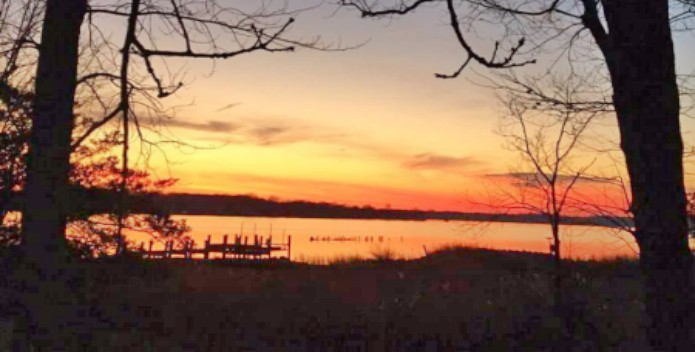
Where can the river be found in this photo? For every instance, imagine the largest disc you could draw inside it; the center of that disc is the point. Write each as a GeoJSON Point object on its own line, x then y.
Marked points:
{"type": "Point", "coordinates": [320, 240]}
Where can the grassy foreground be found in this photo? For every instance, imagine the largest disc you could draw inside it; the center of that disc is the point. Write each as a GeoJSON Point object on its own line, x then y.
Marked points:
{"type": "Point", "coordinates": [456, 299]}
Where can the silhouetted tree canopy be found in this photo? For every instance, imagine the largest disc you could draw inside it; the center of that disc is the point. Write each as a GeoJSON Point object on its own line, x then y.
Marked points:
{"type": "Point", "coordinates": [630, 43]}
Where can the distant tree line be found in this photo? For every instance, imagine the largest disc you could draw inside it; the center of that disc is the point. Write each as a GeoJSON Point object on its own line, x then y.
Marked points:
{"type": "Point", "coordinates": [103, 201]}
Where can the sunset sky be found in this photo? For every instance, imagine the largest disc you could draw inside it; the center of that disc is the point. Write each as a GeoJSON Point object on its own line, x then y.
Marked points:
{"type": "Point", "coordinates": [369, 125]}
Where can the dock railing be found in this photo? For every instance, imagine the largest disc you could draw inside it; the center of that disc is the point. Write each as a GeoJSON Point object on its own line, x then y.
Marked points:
{"type": "Point", "coordinates": [240, 249]}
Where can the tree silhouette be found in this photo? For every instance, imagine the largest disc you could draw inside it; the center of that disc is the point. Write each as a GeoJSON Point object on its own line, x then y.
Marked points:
{"type": "Point", "coordinates": [635, 41]}
{"type": "Point", "coordinates": [197, 25]}
{"type": "Point", "coordinates": [547, 140]}
{"type": "Point", "coordinates": [581, 95]}
{"type": "Point", "coordinates": [547, 143]}
{"type": "Point", "coordinates": [206, 29]}
{"type": "Point", "coordinates": [691, 213]}
{"type": "Point", "coordinates": [48, 162]}
{"type": "Point", "coordinates": [95, 179]}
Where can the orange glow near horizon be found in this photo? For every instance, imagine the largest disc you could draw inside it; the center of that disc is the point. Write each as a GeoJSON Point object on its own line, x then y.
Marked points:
{"type": "Point", "coordinates": [486, 199]}
{"type": "Point", "coordinates": [369, 126]}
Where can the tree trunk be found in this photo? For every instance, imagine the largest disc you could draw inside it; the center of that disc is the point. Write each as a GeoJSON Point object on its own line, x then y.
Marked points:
{"type": "Point", "coordinates": [46, 202]}
{"type": "Point", "coordinates": [52, 122]}
{"type": "Point", "coordinates": [641, 61]}
{"type": "Point", "coordinates": [558, 269]}
{"type": "Point", "coordinates": [555, 230]}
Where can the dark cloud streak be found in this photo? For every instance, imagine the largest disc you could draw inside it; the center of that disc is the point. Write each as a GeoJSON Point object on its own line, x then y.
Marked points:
{"type": "Point", "coordinates": [227, 107]}
{"type": "Point", "coordinates": [440, 162]}
{"type": "Point", "coordinates": [269, 133]}
{"type": "Point", "coordinates": [215, 126]}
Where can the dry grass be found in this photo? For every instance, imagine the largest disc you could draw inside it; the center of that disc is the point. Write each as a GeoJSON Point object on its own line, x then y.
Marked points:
{"type": "Point", "coordinates": [470, 299]}
{"type": "Point", "coordinates": [383, 254]}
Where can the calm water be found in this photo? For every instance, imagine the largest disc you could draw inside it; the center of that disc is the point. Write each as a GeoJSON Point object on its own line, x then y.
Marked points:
{"type": "Point", "coordinates": [408, 238]}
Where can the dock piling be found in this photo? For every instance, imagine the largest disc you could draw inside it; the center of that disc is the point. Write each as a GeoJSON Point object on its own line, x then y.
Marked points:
{"type": "Point", "coordinates": [260, 249]}
{"type": "Point", "coordinates": [224, 247]}
{"type": "Point", "coordinates": [206, 252]}
{"type": "Point", "coordinates": [289, 247]}
{"type": "Point", "coordinates": [246, 245]}
{"type": "Point", "coordinates": [270, 246]}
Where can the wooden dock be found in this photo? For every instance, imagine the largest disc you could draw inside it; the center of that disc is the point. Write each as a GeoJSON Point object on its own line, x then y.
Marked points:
{"type": "Point", "coordinates": [238, 249]}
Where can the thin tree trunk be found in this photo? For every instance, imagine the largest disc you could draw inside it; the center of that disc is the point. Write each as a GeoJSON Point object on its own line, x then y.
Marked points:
{"type": "Point", "coordinates": [125, 111]}
{"type": "Point", "coordinates": [46, 202]}
{"type": "Point", "coordinates": [557, 268]}
{"type": "Point", "coordinates": [557, 253]}
{"type": "Point", "coordinates": [641, 61]}
{"type": "Point", "coordinates": [564, 340]}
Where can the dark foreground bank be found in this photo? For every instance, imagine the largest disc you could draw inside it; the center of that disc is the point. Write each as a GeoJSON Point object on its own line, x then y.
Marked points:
{"type": "Point", "coordinates": [455, 299]}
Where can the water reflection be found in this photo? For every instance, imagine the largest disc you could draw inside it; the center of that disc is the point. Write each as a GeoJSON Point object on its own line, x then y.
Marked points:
{"type": "Point", "coordinates": [326, 239]}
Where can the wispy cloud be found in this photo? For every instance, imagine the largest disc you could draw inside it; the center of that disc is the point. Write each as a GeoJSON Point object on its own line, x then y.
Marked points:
{"type": "Point", "coordinates": [268, 133]}
{"type": "Point", "coordinates": [440, 162]}
{"type": "Point", "coordinates": [272, 132]}
{"type": "Point", "coordinates": [262, 132]}
{"type": "Point", "coordinates": [215, 126]}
